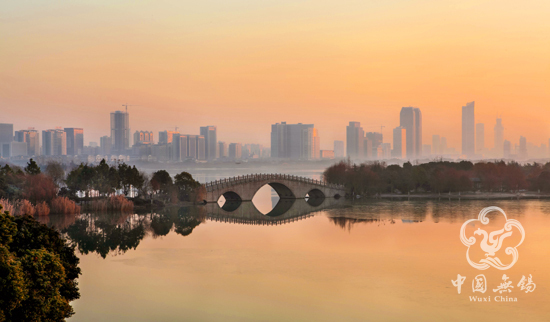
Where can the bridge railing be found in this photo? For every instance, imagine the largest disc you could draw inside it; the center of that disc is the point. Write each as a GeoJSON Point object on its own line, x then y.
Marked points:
{"type": "Point", "coordinates": [232, 181]}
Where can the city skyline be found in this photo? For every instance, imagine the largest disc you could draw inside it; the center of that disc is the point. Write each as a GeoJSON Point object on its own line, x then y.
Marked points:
{"type": "Point", "coordinates": [85, 61]}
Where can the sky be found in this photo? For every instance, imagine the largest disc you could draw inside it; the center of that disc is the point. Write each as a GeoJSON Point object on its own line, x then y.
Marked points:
{"type": "Point", "coordinates": [243, 65]}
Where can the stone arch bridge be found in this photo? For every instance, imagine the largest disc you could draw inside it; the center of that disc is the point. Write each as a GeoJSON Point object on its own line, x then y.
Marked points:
{"type": "Point", "coordinates": [243, 188]}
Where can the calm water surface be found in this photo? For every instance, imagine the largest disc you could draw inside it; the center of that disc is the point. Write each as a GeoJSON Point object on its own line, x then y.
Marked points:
{"type": "Point", "coordinates": [368, 261]}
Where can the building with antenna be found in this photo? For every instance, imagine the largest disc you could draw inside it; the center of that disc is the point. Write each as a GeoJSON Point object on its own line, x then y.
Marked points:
{"type": "Point", "coordinates": [120, 132]}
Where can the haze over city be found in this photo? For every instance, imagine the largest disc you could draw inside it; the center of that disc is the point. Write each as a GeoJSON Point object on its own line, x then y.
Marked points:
{"type": "Point", "coordinates": [243, 66]}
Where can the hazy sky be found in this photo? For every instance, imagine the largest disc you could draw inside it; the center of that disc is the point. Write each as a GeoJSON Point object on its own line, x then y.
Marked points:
{"type": "Point", "coordinates": [243, 65]}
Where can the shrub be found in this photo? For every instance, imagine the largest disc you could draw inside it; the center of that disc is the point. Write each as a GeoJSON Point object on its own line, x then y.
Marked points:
{"type": "Point", "coordinates": [64, 206]}
{"type": "Point", "coordinates": [25, 207]}
{"type": "Point", "coordinates": [42, 209]}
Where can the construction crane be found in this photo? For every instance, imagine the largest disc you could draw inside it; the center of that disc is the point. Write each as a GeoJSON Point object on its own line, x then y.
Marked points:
{"type": "Point", "coordinates": [126, 105]}
{"type": "Point", "coordinates": [381, 127]}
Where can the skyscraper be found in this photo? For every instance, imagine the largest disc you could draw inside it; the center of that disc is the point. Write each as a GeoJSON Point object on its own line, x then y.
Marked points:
{"type": "Point", "coordinates": [293, 141]}
{"type": "Point", "coordinates": [120, 131]}
{"type": "Point", "coordinates": [399, 142]}
{"type": "Point", "coordinates": [354, 140]}
{"type": "Point", "coordinates": [499, 138]}
{"type": "Point", "coordinates": [522, 148]}
{"type": "Point", "coordinates": [54, 142]}
{"type": "Point", "coordinates": [222, 150]}
{"type": "Point", "coordinates": [376, 140]}
{"type": "Point", "coordinates": [480, 138]}
{"type": "Point", "coordinates": [235, 150]}
{"type": "Point", "coordinates": [6, 137]}
{"type": "Point", "coordinates": [105, 145]}
{"type": "Point", "coordinates": [31, 138]}
{"type": "Point", "coordinates": [75, 140]}
{"type": "Point", "coordinates": [166, 137]}
{"type": "Point", "coordinates": [210, 137]}
{"type": "Point", "coordinates": [410, 118]}
{"type": "Point", "coordinates": [468, 129]}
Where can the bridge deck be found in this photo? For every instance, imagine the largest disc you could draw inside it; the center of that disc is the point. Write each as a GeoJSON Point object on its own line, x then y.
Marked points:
{"type": "Point", "coordinates": [233, 181]}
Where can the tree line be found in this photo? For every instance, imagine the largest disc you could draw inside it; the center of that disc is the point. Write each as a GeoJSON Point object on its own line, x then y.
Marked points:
{"type": "Point", "coordinates": [54, 187]}
{"type": "Point", "coordinates": [439, 177]}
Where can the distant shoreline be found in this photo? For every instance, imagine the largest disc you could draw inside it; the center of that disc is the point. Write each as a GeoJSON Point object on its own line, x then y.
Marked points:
{"type": "Point", "coordinates": [466, 196]}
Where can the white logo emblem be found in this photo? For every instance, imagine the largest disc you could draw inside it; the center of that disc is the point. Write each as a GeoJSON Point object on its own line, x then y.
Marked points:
{"type": "Point", "coordinates": [492, 242]}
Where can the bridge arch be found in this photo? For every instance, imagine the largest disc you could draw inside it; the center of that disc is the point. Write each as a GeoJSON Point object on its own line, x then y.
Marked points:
{"type": "Point", "coordinates": [287, 187]}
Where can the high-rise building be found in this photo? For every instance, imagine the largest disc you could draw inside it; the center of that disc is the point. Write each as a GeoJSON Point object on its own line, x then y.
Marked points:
{"type": "Point", "coordinates": [195, 147]}
{"type": "Point", "coordinates": [376, 139]}
{"type": "Point", "coordinates": [211, 139]}
{"type": "Point", "coordinates": [293, 141]}
{"type": "Point", "coordinates": [105, 145]}
{"type": "Point", "coordinates": [32, 138]}
{"type": "Point", "coordinates": [410, 118]}
{"type": "Point", "coordinates": [235, 150]}
{"type": "Point", "coordinates": [418, 131]}
{"type": "Point", "coordinates": [120, 132]}
{"type": "Point", "coordinates": [316, 146]}
{"type": "Point", "coordinates": [367, 149]}
{"type": "Point", "coordinates": [468, 129]}
{"type": "Point", "coordinates": [386, 150]}
{"type": "Point", "coordinates": [436, 145]}
{"type": "Point", "coordinates": [54, 142]}
{"type": "Point", "coordinates": [166, 137]}
{"type": "Point", "coordinates": [143, 137]}
{"type": "Point", "coordinates": [399, 142]}
{"type": "Point", "coordinates": [522, 148]}
{"type": "Point", "coordinates": [6, 137]}
{"type": "Point", "coordinates": [499, 138]}
{"type": "Point", "coordinates": [222, 150]}
{"type": "Point", "coordinates": [354, 140]}
{"type": "Point", "coordinates": [75, 140]}
{"type": "Point", "coordinates": [480, 138]}
{"type": "Point", "coordinates": [338, 149]}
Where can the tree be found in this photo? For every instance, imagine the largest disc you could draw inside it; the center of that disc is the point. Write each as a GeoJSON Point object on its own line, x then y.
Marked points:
{"type": "Point", "coordinates": [161, 181]}
{"type": "Point", "coordinates": [56, 172]}
{"type": "Point", "coordinates": [186, 186]}
{"type": "Point", "coordinates": [32, 168]}
{"type": "Point", "coordinates": [38, 271]}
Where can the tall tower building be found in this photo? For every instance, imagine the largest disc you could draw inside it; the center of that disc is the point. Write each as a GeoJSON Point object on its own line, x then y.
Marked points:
{"type": "Point", "coordinates": [6, 137]}
{"type": "Point", "coordinates": [418, 132]}
{"type": "Point", "coordinates": [75, 140]}
{"type": "Point", "coordinates": [120, 131]}
{"type": "Point", "coordinates": [32, 138]}
{"type": "Point", "coordinates": [499, 138]}
{"type": "Point", "coordinates": [54, 142]}
{"type": "Point", "coordinates": [354, 140]}
{"type": "Point", "coordinates": [410, 119]}
{"type": "Point", "coordinates": [522, 148]}
{"type": "Point", "coordinates": [399, 142]}
{"type": "Point", "coordinates": [480, 138]}
{"type": "Point", "coordinates": [222, 150]}
{"type": "Point", "coordinates": [293, 141]}
{"type": "Point", "coordinates": [468, 129]}
{"type": "Point", "coordinates": [376, 140]}
{"type": "Point", "coordinates": [211, 140]}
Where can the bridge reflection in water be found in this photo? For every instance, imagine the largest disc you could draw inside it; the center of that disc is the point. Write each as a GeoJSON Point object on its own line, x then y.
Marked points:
{"type": "Point", "coordinates": [285, 211]}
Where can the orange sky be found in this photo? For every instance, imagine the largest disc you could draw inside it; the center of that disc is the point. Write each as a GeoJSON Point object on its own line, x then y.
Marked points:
{"type": "Point", "coordinates": [247, 64]}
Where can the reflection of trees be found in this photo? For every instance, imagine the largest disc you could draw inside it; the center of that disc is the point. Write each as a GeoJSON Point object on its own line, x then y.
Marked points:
{"type": "Point", "coordinates": [348, 223]}
{"type": "Point", "coordinates": [117, 233]}
{"type": "Point", "coordinates": [100, 235]}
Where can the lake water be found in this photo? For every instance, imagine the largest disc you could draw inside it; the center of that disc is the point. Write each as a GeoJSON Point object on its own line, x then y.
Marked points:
{"type": "Point", "coordinates": [373, 260]}
{"type": "Point", "coordinates": [332, 260]}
